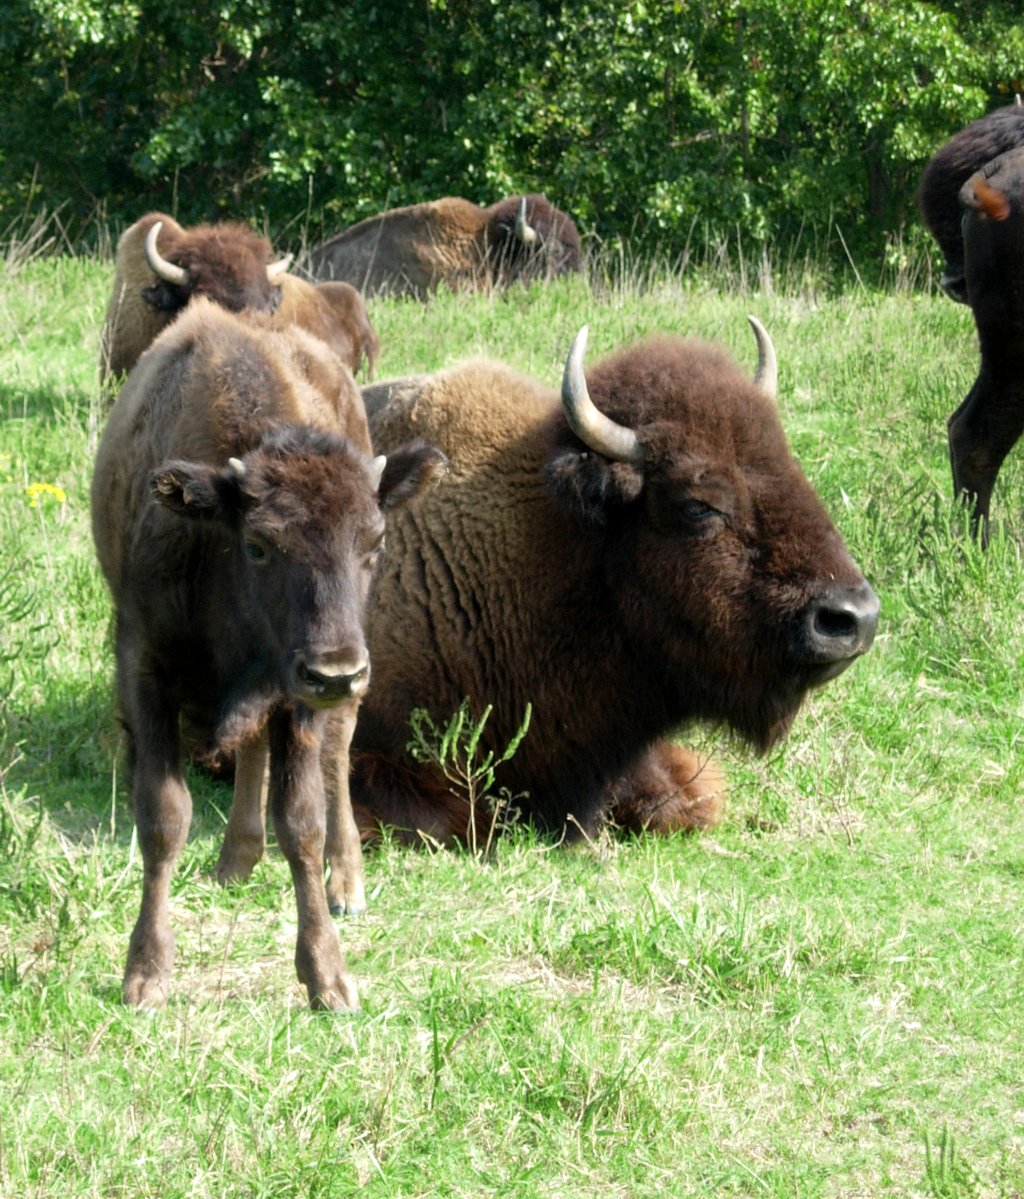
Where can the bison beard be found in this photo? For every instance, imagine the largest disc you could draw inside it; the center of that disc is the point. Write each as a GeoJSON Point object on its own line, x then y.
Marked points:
{"type": "Point", "coordinates": [627, 565]}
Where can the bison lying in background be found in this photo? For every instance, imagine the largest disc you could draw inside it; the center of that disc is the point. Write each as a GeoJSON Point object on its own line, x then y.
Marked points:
{"type": "Point", "coordinates": [945, 175]}
{"type": "Point", "coordinates": [160, 267]}
{"type": "Point", "coordinates": [237, 514]}
{"type": "Point", "coordinates": [626, 564]}
{"type": "Point", "coordinates": [411, 251]}
{"type": "Point", "coordinates": [983, 430]}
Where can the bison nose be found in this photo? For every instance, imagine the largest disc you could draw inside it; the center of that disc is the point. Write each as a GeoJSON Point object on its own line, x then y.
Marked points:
{"type": "Point", "coordinates": [835, 628]}
{"type": "Point", "coordinates": [330, 679]}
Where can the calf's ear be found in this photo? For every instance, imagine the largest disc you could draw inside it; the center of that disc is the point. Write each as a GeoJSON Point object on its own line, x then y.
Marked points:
{"type": "Point", "coordinates": [589, 486]}
{"type": "Point", "coordinates": [409, 470]}
{"type": "Point", "coordinates": [196, 490]}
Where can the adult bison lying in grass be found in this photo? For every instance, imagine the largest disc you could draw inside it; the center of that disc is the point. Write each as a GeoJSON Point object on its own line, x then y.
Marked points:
{"type": "Point", "coordinates": [643, 555]}
{"type": "Point", "coordinates": [988, 423]}
{"type": "Point", "coordinates": [237, 514]}
{"type": "Point", "coordinates": [411, 251]}
{"type": "Point", "coordinates": [160, 267]}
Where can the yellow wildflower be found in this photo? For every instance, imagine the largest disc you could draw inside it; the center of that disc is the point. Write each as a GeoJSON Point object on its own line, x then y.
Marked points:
{"type": "Point", "coordinates": [48, 491]}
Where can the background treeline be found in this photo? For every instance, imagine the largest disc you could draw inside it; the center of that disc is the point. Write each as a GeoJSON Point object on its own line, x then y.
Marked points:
{"type": "Point", "coordinates": [669, 122]}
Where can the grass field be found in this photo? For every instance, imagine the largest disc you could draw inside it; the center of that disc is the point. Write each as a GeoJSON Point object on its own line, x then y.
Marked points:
{"type": "Point", "coordinates": [825, 997]}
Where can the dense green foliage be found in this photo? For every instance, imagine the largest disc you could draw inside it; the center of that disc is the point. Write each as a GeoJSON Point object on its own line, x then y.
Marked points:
{"type": "Point", "coordinates": [819, 1000]}
{"type": "Point", "coordinates": [667, 120]}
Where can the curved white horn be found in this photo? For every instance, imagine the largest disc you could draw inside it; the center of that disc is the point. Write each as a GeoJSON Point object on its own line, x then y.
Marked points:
{"type": "Point", "coordinates": [170, 272]}
{"type": "Point", "coordinates": [766, 376]}
{"type": "Point", "coordinates": [377, 470]}
{"type": "Point", "coordinates": [525, 232]}
{"type": "Point", "coordinates": [591, 426]}
{"type": "Point", "coordinates": [237, 467]}
{"type": "Point", "coordinates": [276, 269]}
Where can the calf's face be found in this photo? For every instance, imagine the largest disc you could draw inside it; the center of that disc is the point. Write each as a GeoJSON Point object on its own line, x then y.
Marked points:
{"type": "Point", "coordinates": [306, 515]}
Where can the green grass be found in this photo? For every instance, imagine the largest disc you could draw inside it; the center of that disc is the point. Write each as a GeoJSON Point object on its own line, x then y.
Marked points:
{"type": "Point", "coordinates": [822, 998]}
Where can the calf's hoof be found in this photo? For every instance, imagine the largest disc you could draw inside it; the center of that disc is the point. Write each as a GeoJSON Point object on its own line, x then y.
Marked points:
{"type": "Point", "coordinates": [347, 897]}
{"type": "Point", "coordinates": [235, 864]}
{"type": "Point", "coordinates": [341, 995]}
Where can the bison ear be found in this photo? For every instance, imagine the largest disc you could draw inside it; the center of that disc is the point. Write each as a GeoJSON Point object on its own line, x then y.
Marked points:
{"type": "Point", "coordinates": [590, 487]}
{"type": "Point", "coordinates": [198, 491]}
{"type": "Point", "coordinates": [410, 469]}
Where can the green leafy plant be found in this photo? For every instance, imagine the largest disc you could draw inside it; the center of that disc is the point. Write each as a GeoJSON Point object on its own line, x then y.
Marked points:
{"type": "Point", "coordinates": [468, 768]}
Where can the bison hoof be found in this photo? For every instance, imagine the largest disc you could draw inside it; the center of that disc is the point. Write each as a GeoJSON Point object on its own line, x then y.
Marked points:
{"type": "Point", "coordinates": [342, 996]}
{"type": "Point", "coordinates": [235, 867]}
{"type": "Point", "coordinates": [347, 899]}
{"type": "Point", "coordinates": [145, 991]}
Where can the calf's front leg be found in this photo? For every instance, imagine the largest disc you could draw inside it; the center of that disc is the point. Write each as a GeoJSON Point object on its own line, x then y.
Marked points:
{"type": "Point", "coordinates": [299, 812]}
{"type": "Point", "coordinates": [346, 890]}
{"type": "Point", "coordinates": [244, 838]}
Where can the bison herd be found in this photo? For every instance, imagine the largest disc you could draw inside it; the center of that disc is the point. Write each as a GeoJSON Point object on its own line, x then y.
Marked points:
{"type": "Point", "coordinates": [634, 554]}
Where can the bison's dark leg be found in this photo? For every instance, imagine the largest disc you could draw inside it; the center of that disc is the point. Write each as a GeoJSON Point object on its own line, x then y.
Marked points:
{"type": "Point", "coordinates": [982, 431]}
{"type": "Point", "coordinates": [163, 810]}
{"type": "Point", "coordinates": [297, 804]}
{"type": "Point", "coordinates": [671, 789]}
{"type": "Point", "coordinates": [244, 838]}
{"type": "Point", "coordinates": [346, 892]}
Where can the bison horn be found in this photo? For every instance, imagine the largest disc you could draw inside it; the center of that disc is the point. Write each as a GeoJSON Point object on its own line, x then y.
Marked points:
{"type": "Point", "coordinates": [525, 232]}
{"type": "Point", "coordinates": [592, 427]}
{"type": "Point", "coordinates": [276, 269]}
{"type": "Point", "coordinates": [170, 272]}
{"type": "Point", "coordinates": [766, 376]}
{"type": "Point", "coordinates": [377, 470]}
{"type": "Point", "coordinates": [237, 467]}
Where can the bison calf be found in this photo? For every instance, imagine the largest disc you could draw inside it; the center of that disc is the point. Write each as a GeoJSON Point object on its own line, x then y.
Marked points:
{"type": "Point", "coordinates": [238, 517]}
{"type": "Point", "coordinates": [642, 555]}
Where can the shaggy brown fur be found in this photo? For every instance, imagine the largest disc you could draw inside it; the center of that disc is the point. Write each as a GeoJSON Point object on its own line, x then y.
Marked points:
{"type": "Point", "coordinates": [704, 583]}
{"type": "Point", "coordinates": [947, 172]}
{"type": "Point", "coordinates": [411, 251]}
{"type": "Point", "coordinates": [237, 516]}
{"type": "Point", "coordinates": [988, 423]}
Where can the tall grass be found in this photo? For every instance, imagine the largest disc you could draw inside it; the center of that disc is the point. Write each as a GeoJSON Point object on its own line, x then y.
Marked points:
{"type": "Point", "coordinates": [822, 998]}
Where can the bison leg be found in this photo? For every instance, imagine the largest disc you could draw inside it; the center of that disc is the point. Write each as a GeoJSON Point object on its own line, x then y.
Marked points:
{"type": "Point", "coordinates": [244, 838]}
{"type": "Point", "coordinates": [163, 811]}
{"type": "Point", "coordinates": [671, 789]}
{"type": "Point", "coordinates": [346, 890]}
{"type": "Point", "coordinates": [982, 431]}
{"type": "Point", "coordinates": [297, 803]}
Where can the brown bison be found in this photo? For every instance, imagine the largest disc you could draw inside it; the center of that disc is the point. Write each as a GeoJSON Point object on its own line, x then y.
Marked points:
{"type": "Point", "coordinates": [983, 430]}
{"type": "Point", "coordinates": [643, 555]}
{"type": "Point", "coordinates": [411, 251]}
{"type": "Point", "coordinates": [160, 267]}
{"type": "Point", "coordinates": [945, 175]}
{"type": "Point", "coordinates": [237, 515]}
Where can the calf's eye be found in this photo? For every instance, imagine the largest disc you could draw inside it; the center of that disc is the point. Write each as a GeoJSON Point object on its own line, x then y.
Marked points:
{"type": "Point", "coordinates": [695, 511]}
{"type": "Point", "coordinates": [256, 552]}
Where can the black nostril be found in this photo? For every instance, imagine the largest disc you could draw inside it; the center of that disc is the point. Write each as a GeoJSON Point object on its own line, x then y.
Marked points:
{"type": "Point", "coordinates": [840, 625]}
{"type": "Point", "coordinates": [327, 684]}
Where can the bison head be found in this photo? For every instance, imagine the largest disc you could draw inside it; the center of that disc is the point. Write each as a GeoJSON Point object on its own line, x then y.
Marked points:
{"type": "Point", "coordinates": [305, 514]}
{"type": "Point", "coordinates": [225, 262]}
{"type": "Point", "coordinates": [726, 575]}
{"type": "Point", "coordinates": [529, 238]}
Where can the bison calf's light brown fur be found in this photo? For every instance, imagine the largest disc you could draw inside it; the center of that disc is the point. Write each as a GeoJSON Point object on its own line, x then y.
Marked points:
{"type": "Point", "coordinates": [238, 515]}
{"type": "Point", "coordinates": [643, 555]}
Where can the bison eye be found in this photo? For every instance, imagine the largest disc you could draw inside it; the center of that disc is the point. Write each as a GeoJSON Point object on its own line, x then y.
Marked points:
{"type": "Point", "coordinates": [695, 511]}
{"type": "Point", "coordinates": [256, 551]}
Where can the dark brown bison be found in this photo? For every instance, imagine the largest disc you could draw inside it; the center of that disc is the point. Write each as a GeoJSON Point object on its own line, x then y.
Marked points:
{"type": "Point", "coordinates": [983, 430]}
{"type": "Point", "coordinates": [237, 514]}
{"type": "Point", "coordinates": [945, 175]}
{"type": "Point", "coordinates": [411, 251]}
{"type": "Point", "coordinates": [160, 267]}
{"type": "Point", "coordinates": [643, 555]}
